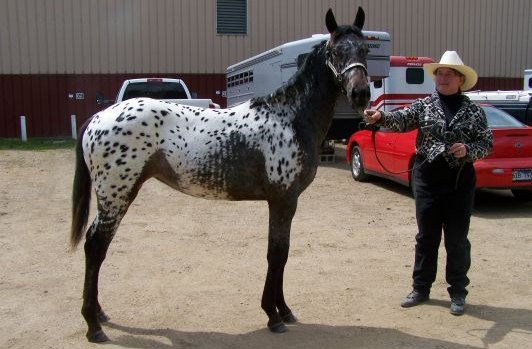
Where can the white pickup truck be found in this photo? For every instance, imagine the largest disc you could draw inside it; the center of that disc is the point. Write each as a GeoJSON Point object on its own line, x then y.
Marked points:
{"type": "Point", "coordinates": [516, 103]}
{"type": "Point", "coordinates": [166, 89]}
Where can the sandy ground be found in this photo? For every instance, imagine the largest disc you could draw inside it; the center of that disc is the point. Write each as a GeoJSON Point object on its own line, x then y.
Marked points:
{"type": "Point", "coordinates": [188, 273]}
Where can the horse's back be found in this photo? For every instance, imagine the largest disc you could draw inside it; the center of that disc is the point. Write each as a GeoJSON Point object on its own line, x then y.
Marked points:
{"type": "Point", "coordinates": [228, 154]}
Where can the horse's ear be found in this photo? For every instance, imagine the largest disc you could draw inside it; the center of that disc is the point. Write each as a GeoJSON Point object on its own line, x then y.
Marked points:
{"type": "Point", "coordinates": [330, 22]}
{"type": "Point", "coordinates": [360, 18]}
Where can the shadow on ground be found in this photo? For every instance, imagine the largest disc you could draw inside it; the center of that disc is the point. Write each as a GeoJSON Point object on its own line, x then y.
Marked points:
{"type": "Point", "coordinates": [311, 336]}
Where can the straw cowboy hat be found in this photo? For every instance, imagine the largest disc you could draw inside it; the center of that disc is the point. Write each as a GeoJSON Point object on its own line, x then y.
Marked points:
{"type": "Point", "coordinates": [450, 59]}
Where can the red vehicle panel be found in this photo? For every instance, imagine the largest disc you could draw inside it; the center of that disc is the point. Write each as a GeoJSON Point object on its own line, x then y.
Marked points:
{"type": "Point", "coordinates": [508, 166]}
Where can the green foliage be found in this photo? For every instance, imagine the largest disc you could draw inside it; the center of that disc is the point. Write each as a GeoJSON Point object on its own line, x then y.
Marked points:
{"type": "Point", "coordinates": [36, 143]}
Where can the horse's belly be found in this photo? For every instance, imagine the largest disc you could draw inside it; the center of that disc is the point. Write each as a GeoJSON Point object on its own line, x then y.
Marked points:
{"type": "Point", "coordinates": [221, 179]}
{"type": "Point", "coordinates": [200, 191]}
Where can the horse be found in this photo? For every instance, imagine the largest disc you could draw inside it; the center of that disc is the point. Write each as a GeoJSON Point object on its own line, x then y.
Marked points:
{"type": "Point", "coordinates": [264, 149]}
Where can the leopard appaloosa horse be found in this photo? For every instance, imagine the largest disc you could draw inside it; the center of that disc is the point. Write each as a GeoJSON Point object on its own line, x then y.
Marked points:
{"type": "Point", "coordinates": [264, 149]}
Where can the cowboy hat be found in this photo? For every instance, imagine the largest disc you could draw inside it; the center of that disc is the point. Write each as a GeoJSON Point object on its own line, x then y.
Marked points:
{"type": "Point", "coordinates": [450, 59]}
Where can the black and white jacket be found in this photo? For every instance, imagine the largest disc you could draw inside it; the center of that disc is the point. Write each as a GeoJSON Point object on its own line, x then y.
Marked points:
{"type": "Point", "coordinates": [435, 137]}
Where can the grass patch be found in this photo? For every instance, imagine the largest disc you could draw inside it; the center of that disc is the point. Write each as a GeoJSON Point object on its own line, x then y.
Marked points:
{"type": "Point", "coordinates": [37, 143]}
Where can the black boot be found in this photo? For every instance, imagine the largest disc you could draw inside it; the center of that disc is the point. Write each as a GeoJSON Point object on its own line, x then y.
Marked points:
{"type": "Point", "coordinates": [414, 298]}
{"type": "Point", "coordinates": [457, 305]}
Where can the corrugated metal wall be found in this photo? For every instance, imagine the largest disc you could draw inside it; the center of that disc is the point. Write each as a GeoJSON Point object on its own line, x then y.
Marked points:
{"type": "Point", "coordinates": [50, 48]}
{"type": "Point", "coordinates": [168, 36]}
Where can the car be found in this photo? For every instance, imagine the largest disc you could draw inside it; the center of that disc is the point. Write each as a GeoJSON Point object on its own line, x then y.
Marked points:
{"type": "Point", "coordinates": [390, 155]}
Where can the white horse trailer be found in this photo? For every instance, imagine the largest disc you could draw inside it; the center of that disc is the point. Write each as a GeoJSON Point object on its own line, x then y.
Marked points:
{"type": "Point", "coordinates": [406, 82]}
{"type": "Point", "coordinates": [266, 72]}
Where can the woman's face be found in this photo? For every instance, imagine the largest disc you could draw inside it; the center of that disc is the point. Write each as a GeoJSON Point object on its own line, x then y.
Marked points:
{"type": "Point", "coordinates": [448, 81]}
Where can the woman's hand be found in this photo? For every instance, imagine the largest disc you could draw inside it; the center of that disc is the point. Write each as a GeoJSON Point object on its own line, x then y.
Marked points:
{"type": "Point", "coordinates": [372, 116]}
{"type": "Point", "coordinates": [459, 150]}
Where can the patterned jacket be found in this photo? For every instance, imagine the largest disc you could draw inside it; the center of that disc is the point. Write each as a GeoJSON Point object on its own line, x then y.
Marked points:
{"type": "Point", "coordinates": [435, 137]}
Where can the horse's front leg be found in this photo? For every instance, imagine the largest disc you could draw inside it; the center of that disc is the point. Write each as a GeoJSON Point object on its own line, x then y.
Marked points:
{"type": "Point", "coordinates": [273, 303]}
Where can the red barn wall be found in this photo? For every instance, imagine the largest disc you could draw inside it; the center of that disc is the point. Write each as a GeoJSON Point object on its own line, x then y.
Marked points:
{"type": "Point", "coordinates": [44, 99]}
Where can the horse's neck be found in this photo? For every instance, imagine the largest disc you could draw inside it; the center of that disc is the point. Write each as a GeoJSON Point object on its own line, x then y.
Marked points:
{"type": "Point", "coordinates": [311, 95]}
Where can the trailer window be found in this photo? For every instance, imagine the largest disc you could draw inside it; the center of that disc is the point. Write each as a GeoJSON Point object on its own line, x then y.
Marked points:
{"type": "Point", "coordinates": [240, 79]}
{"type": "Point", "coordinates": [415, 76]}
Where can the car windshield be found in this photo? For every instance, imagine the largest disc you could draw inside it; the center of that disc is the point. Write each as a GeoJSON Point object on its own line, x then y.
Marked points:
{"type": "Point", "coordinates": [500, 119]}
{"type": "Point", "coordinates": [155, 89]}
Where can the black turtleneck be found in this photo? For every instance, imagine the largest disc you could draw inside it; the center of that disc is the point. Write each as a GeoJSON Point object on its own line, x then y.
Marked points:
{"type": "Point", "coordinates": [451, 104]}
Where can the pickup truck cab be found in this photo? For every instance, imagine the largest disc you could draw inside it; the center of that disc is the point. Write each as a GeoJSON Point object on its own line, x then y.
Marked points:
{"type": "Point", "coordinates": [166, 89]}
{"type": "Point", "coordinates": [516, 103]}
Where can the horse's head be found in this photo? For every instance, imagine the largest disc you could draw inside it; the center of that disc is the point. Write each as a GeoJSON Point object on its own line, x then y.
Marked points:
{"type": "Point", "coordinates": [346, 56]}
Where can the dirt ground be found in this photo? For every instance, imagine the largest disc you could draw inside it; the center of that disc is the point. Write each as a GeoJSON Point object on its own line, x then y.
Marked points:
{"type": "Point", "coordinates": [188, 273]}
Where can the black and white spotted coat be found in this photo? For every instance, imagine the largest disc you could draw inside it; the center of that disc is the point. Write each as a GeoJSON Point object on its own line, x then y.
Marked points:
{"type": "Point", "coordinates": [213, 153]}
{"type": "Point", "coordinates": [435, 136]}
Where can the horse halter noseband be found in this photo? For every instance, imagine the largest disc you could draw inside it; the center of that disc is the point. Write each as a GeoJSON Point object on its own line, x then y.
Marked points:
{"type": "Point", "coordinates": [340, 75]}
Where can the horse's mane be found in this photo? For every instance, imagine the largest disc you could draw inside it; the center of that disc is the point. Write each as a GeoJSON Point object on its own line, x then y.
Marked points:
{"type": "Point", "coordinates": [315, 60]}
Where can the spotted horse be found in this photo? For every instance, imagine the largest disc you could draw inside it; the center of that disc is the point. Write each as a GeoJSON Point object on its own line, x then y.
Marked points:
{"type": "Point", "coordinates": [264, 149]}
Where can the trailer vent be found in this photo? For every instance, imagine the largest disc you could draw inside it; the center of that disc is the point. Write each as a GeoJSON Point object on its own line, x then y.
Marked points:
{"type": "Point", "coordinates": [231, 16]}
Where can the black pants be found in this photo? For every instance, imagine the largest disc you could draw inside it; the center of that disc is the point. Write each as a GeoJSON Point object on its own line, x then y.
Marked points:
{"type": "Point", "coordinates": [444, 200]}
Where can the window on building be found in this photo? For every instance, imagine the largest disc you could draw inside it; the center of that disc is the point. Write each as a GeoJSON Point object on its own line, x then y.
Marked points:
{"type": "Point", "coordinates": [415, 76]}
{"type": "Point", "coordinates": [231, 17]}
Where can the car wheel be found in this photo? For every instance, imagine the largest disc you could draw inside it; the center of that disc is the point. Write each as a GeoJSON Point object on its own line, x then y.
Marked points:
{"type": "Point", "coordinates": [357, 166]}
{"type": "Point", "coordinates": [522, 194]}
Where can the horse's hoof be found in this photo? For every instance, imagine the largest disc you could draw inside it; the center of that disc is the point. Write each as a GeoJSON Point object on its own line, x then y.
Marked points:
{"type": "Point", "coordinates": [102, 317]}
{"type": "Point", "coordinates": [289, 318]}
{"type": "Point", "coordinates": [279, 327]}
{"type": "Point", "coordinates": [97, 337]}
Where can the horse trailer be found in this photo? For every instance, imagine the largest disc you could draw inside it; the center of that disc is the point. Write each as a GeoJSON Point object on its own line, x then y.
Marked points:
{"type": "Point", "coordinates": [406, 82]}
{"type": "Point", "coordinates": [266, 72]}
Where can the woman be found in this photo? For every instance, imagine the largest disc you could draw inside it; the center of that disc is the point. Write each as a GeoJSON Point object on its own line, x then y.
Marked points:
{"type": "Point", "coordinates": [452, 133]}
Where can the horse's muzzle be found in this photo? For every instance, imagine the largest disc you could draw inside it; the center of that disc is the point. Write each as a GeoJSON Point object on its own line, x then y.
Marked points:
{"type": "Point", "coordinates": [359, 97]}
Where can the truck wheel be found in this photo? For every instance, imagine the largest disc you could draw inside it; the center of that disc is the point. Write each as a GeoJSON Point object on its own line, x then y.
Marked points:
{"type": "Point", "coordinates": [522, 194]}
{"type": "Point", "coordinates": [357, 166]}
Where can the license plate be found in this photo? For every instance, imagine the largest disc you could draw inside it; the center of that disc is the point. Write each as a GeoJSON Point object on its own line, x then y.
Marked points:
{"type": "Point", "coordinates": [522, 175]}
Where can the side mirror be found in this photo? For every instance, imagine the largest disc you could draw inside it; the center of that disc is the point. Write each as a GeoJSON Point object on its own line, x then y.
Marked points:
{"type": "Point", "coordinates": [194, 95]}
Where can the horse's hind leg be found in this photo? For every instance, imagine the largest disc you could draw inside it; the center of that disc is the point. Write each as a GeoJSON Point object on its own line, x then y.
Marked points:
{"type": "Point", "coordinates": [97, 242]}
{"type": "Point", "coordinates": [284, 311]}
{"type": "Point", "coordinates": [273, 303]}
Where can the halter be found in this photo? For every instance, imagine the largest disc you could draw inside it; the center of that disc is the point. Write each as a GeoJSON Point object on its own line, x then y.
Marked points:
{"type": "Point", "coordinates": [339, 75]}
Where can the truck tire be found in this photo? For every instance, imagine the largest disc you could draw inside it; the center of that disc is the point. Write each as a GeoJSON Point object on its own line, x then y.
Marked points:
{"type": "Point", "coordinates": [357, 166]}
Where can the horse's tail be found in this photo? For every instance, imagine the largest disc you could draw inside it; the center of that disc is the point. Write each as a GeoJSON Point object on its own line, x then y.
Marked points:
{"type": "Point", "coordinates": [81, 193]}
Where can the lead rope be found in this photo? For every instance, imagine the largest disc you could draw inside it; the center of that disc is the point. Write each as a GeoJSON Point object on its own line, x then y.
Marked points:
{"type": "Point", "coordinates": [373, 131]}
{"type": "Point", "coordinates": [458, 175]}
